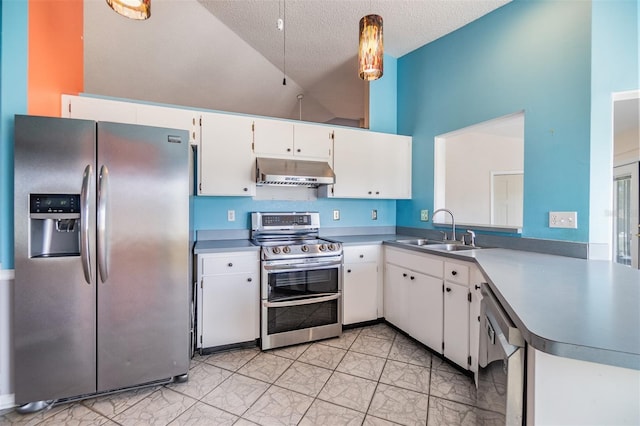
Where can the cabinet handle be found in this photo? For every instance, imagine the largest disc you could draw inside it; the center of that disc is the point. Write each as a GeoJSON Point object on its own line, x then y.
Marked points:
{"type": "Point", "coordinates": [404, 275]}
{"type": "Point", "coordinates": [249, 279]}
{"type": "Point", "coordinates": [348, 271]}
{"type": "Point", "coordinates": [448, 289]}
{"type": "Point", "coordinates": [230, 264]}
{"type": "Point", "coordinates": [412, 277]}
{"type": "Point", "coordinates": [361, 256]}
{"type": "Point", "coordinates": [454, 272]}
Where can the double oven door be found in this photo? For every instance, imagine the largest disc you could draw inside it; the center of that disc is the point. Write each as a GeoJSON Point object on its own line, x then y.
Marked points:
{"type": "Point", "coordinates": [301, 300]}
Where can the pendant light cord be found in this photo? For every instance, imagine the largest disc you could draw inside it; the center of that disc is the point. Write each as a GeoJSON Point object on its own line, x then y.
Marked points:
{"type": "Point", "coordinates": [284, 43]}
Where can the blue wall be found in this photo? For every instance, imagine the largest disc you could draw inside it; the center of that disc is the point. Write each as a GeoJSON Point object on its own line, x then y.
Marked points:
{"type": "Point", "coordinates": [383, 99]}
{"type": "Point", "coordinates": [527, 55]}
{"type": "Point", "coordinates": [211, 212]}
{"type": "Point", "coordinates": [13, 100]}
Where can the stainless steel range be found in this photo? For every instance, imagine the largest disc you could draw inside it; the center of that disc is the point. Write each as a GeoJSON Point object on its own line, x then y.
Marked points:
{"type": "Point", "coordinates": [301, 279]}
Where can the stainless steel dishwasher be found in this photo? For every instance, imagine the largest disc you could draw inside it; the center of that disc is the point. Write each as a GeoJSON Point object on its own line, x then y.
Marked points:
{"type": "Point", "coordinates": [501, 362]}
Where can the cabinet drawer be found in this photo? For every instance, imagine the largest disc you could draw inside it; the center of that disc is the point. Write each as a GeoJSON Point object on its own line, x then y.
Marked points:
{"type": "Point", "coordinates": [361, 254]}
{"type": "Point", "coordinates": [456, 272]}
{"type": "Point", "coordinates": [229, 263]}
{"type": "Point", "coordinates": [426, 264]}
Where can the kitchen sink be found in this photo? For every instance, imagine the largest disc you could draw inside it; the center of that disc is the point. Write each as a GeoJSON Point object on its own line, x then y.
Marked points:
{"type": "Point", "coordinates": [418, 242]}
{"type": "Point", "coordinates": [435, 245]}
{"type": "Point", "coordinates": [450, 247]}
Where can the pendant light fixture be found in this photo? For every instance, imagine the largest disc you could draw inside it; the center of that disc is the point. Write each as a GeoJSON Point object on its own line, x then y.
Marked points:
{"type": "Point", "coordinates": [371, 48]}
{"type": "Point", "coordinates": [134, 9]}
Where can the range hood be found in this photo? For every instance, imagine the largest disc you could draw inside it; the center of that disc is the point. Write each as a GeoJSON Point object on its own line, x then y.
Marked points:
{"type": "Point", "coordinates": [279, 171]}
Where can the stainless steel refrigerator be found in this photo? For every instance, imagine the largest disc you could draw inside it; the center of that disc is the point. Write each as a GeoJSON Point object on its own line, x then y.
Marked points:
{"type": "Point", "coordinates": [102, 255]}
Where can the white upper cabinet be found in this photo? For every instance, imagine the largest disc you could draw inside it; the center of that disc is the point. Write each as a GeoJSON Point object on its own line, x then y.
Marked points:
{"type": "Point", "coordinates": [226, 164]}
{"type": "Point", "coordinates": [99, 109]}
{"type": "Point", "coordinates": [173, 118]}
{"type": "Point", "coordinates": [371, 165]}
{"type": "Point", "coordinates": [131, 113]}
{"type": "Point", "coordinates": [312, 141]}
{"type": "Point", "coordinates": [284, 139]}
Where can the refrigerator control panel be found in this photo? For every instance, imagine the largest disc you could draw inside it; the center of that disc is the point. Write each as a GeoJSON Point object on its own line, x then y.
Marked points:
{"type": "Point", "coordinates": [54, 203]}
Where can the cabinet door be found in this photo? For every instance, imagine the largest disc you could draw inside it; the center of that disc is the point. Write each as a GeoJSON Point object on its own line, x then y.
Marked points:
{"type": "Point", "coordinates": [230, 311]}
{"type": "Point", "coordinates": [272, 138]}
{"type": "Point", "coordinates": [396, 301]}
{"type": "Point", "coordinates": [456, 323]}
{"type": "Point", "coordinates": [174, 118]}
{"type": "Point", "coordinates": [425, 310]}
{"type": "Point", "coordinates": [98, 109]}
{"type": "Point", "coordinates": [474, 317]}
{"type": "Point", "coordinates": [352, 164]}
{"type": "Point", "coordinates": [360, 292]}
{"type": "Point", "coordinates": [227, 164]}
{"type": "Point", "coordinates": [312, 141]}
{"type": "Point", "coordinates": [393, 178]}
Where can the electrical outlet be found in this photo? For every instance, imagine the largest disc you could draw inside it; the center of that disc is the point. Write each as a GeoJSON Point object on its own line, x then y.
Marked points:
{"type": "Point", "coordinates": [231, 215]}
{"type": "Point", "coordinates": [336, 215]}
{"type": "Point", "coordinates": [563, 220]}
{"type": "Point", "coordinates": [424, 215]}
{"type": "Point", "coordinates": [374, 214]}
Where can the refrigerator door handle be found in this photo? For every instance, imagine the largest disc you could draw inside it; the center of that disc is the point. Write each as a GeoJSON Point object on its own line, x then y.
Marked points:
{"type": "Point", "coordinates": [103, 184]}
{"type": "Point", "coordinates": [85, 254]}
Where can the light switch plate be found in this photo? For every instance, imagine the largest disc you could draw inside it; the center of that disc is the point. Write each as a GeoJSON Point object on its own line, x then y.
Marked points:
{"type": "Point", "coordinates": [336, 215]}
{"type": "Point", "coordinates": [374, 214]}
{"type": "Point", "coordinates": [424, 215]}
{"type": "Point", "coordinates": [563, 220]}
{"type": "Point", "coordinates": [231, 215]}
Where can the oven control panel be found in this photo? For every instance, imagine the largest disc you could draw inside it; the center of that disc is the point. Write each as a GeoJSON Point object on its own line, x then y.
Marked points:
{"type": "Point", "coordinates": [264, 221]}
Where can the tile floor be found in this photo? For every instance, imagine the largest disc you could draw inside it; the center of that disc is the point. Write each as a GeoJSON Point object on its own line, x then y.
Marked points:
{"type": "Point", "coordinates": [369, 376]}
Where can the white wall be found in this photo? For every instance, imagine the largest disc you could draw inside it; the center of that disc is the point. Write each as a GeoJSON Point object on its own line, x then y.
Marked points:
{"type": "Point", "coordinates": [470, 159]}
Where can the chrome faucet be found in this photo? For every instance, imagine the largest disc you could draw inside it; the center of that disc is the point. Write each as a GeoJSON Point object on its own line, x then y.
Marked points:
{"type": "Point", "coordinates": [473, 237]}
{"type": "Point", "coordinates": [453, 223]}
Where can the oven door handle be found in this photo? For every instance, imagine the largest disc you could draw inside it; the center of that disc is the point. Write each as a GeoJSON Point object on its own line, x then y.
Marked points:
{"type": "Point", "coordinates": [306, 265]}
{"type": "Point", "coordinates": [299, 302]}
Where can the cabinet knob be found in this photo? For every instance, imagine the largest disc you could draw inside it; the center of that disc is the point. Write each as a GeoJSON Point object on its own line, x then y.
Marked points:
{"type": "Point", "coordinates": [477, 287]}
{"type": "Point", "coordinates": [454, 272]}
{"type": "Point", "coordinates": [412, 277]}
{"type": "Point", "coordinates": [369, 192]}
{"type": "Point", "coordinates": [245, 189]}
{"type": "Point", "coordinates": [448, 289]}
{"type": "Point", "coordinates": [377, 192]}
{"type": "Point", "coordinates": [404, 275]}
{"type": "Point", "coordinates": [348, 271]}
{"type": "Point", "coordinates": [230, 264]}
{"type": "Point", "coordinates": [288, 149]}
{"type": "Point", "coordinates": [361, 256]}
{"type": "Point", "coordinates": [298, 150]}
{"type": "Point", "coordinates": [249, 279]}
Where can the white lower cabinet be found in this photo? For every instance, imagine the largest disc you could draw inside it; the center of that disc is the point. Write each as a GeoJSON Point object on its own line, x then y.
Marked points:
{"type": "Point", "coordinates": [456, 323]}
{"type": "Point", "coordinates": [360, 285]}
{"type": "Point", "coordinates": [436, 301]}
{"type": "Point", "coordinates": [228, 296]}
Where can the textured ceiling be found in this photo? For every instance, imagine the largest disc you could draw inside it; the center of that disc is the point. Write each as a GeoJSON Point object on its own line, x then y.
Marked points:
{"type": "Point", "coordinates": [228, 54]}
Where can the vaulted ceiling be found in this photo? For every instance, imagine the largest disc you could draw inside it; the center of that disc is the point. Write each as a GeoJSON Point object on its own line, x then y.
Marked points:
{"type": "Point", "coordinates": [229, 55]}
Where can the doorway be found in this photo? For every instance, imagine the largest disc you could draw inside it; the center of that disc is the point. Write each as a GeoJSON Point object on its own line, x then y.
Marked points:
{"type": "Point", "coordinates": [626, 179]}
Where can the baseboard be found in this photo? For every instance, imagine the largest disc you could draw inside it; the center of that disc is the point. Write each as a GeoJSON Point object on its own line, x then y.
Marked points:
{"type": "Point", "coordinates": [7, 401]}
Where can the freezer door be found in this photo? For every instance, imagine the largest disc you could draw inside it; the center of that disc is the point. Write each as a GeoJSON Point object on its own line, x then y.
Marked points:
{"type": "Point", "coordinates": [143, 254]}
{"type": "Point", "coordinates": [54, 310]}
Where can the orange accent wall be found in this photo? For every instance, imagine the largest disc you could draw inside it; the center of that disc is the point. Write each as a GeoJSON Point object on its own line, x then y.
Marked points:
{"type": "Point", "coordinates": [56, 54]}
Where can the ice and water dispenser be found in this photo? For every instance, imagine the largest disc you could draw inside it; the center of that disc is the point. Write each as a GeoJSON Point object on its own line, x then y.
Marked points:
{"type": "Point", "coordinates": [55, 225]}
